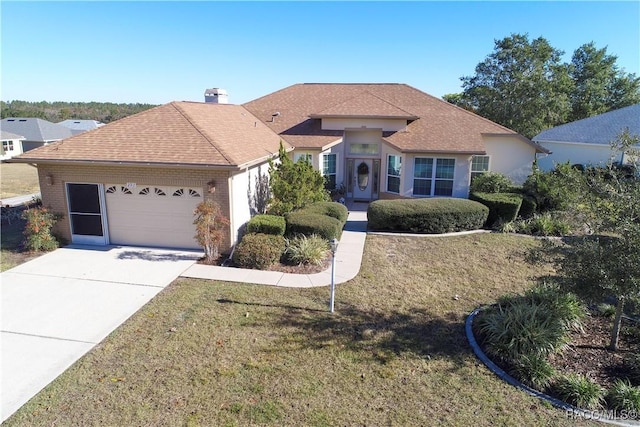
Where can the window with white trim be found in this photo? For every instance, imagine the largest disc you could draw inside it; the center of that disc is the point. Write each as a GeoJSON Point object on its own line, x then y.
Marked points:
{"type": "Point", "coordinates": [302, 156]}
{"type": "Point", "coordinates": [329, 170]}
{"type": "Point", "coordinates": [479, 165]}
{"type": "Point", "coordinates": [433, 177]}
{"type": "Point", "coordinates": [394, 168]}
{"type": "Point", "coordinates": [7, 145]}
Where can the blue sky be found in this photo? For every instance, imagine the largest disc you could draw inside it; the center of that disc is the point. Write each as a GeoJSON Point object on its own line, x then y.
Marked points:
{"type": "Point", "coordinates": [157, 52]}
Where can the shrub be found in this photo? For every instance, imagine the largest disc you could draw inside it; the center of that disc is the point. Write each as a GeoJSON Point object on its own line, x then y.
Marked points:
{"type": "Point", "coordinates": [605, 310]}
{"type": "Point", "coordinates": [258, 251]}
{"type": "Point", "coordinates": [429, 216]}
{"type": "Point", "coordinates": [566, 307]}
{"type": "Point", "coordinates": [580, 391]}
{"type": "Point", "coordinates": [528, 207]}
{"type": "Point", "coordinates": [534, 371]}
{"type": "Point", "coordinates": [37, 230]}
{"type": "Point", "coordinates": [555, 190]}
{"type": "Point", "coordinates": [211, 227]}
{"type": "Point", "coordinates": [518, 327]}
{"type": "Point", "coordinates": [306, 250]}
{"type": "Point", "coordinates": [267, 224]}
{"type": "Point", "coordinates": [623, 396]}
{"type": "Point", "coordinates": [333, 209]}
{"type": "Point", "coordinates": [503, 207]}
{"type": "Point", "coordinates": [546, 224]}
{"type": "Point", "coordinates": [308, 223]}
{"type": "Point", "coordinates": [490, 182]}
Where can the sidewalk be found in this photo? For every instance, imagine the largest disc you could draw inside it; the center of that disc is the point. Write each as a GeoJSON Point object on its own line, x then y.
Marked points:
{"type": "Point", "coordinates": [18, 200]}
{"type": "Point", "coordinates": [348, 261]}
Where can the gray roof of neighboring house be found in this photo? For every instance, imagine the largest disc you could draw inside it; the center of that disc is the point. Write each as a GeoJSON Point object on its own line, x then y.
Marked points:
{"type": "Point", "coordinates": [5, 136]}
{"type": "Point", "coordinates": [79, 126]}
{"type": "Point", "coordinates": [35, 129]}
{"type": "Point", "coordinates": [600, 129]}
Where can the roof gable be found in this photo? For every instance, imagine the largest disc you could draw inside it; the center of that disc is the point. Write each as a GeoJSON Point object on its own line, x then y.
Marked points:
{"type": "Point", "coordinates": [600, 129]}
{"type": "Point", "coordinates": [178, 133]}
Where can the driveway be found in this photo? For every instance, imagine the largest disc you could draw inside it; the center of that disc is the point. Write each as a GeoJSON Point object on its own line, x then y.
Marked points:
{"type": "Point", "coordinates": [57, 307]}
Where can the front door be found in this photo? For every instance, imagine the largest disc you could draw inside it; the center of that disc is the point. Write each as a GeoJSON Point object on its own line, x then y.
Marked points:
{"type": "Point", "coordinates": [86, 207]}
{"type": "Point", "coordinates": [362, 179]}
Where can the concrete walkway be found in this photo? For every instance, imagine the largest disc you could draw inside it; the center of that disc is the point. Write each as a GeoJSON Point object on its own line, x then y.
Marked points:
{"type": "Point", "coordinates": [57, 307]}
{"type": "Point", "coordinates": [19, 200]}
{"type": "Point", "coordinates": [348, 261]}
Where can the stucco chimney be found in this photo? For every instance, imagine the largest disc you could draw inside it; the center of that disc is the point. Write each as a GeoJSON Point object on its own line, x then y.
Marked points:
{"type": "Point", "coordinates": [216, 96]}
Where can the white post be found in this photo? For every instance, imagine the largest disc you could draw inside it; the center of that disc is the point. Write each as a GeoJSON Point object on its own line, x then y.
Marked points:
{"type": "Point", "coordinates": [334, 247]}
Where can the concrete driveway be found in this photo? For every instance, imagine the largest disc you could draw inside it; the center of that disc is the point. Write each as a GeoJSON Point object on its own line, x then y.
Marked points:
{"type": "Point", "coordinates": [57, 307]}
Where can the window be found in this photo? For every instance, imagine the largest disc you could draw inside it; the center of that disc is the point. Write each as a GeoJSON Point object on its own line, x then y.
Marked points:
{"type": "Point", "coordinates": [302, 156]}
{"type": "Point", "coordinates": [422, 177]}
{"type": "Point", "coordinates": [329, 169]}
{"type": "Point", "coordinates": [7, 145]}
{"type": "Point", "coordinates": [479, 165]}
{"type": "Point", "coordinates": [444, 177]}
{"type": "Point", "coordinates": [394, 167]}
{"type": "Point", "coordinates": [433, 181]}
{"type": "Point", "coordinates": [363, 148]}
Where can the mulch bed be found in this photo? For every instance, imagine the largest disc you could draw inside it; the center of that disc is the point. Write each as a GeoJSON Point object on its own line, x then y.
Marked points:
{"type": "Point", "coordinates": [588, 353]}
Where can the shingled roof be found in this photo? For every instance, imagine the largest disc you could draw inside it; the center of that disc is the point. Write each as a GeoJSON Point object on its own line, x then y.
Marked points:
{"type": "Point", "coordinates": [34, 129]}
{"type": "Point", "coordinates": [435, 125]}
{"type": "Point", "coordinates": [600, 129]}
{"type": "Point", "coordinates": [178, 133]}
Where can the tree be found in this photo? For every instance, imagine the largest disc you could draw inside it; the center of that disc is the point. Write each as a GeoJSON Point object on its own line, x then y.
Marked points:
{"type": "Point", "coordinates": [606, 264]}
{"type": "Point", "coordinates": [210, 228]}
{"type": "Point", "coordinates": [294, 185]}
{"type": "Point", "coordinates": [599, 86]}
{"type": "Point", "coordinates": [522, 85]}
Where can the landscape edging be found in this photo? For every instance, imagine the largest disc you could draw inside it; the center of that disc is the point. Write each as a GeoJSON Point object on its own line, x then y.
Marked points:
{"type": "Point", "coordinates": [571, 410]}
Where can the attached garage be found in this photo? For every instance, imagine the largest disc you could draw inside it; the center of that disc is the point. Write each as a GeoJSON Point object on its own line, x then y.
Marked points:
{"type": "Point", "coordinates": [152, 215]}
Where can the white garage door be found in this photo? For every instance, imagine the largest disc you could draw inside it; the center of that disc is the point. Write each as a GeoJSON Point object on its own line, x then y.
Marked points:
{"type": "Point", "coordinates": [152, 215]}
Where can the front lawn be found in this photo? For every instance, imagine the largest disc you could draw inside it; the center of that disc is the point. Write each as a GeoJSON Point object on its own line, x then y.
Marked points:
{"type": "Point", "coordinates": [18, 179]}
{"type": "Point", "coordinates": [206, 353]}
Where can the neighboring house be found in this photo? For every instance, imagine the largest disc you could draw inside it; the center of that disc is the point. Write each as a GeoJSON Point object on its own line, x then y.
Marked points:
{"type": "Point", "coordinates": [79, 126]}
{"type": "Point", "coordinates": [587, 141]}
{"type": "Point", "coordinates": [36, 132]}
{"type": "Point", "coordinates": [136, 181]}
{"type": "Point", "coordinates": [11, 145]}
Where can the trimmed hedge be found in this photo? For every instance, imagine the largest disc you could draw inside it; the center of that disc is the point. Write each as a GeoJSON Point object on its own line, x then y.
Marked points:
{"type": "Point", "coordinates": [258, 251]}
{"type": "Point", "coordinates": [333, 209]}
{"type": "Point", "coordinates": [427, 216]}
{"type": "Point", "coordinates": [528, 207]}
{"type": "Point", "coordinates": [309, 223]}
{"type": "Point", "coordinates": [267, 224]}
{"type": "Point", "coordinates": [503, 207]}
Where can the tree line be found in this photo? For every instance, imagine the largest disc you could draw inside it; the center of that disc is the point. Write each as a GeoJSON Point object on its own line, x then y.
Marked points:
{"type": "Point", "coordinates": [104, 112]}
{"type": "Point", "coordinates": [524, 85]}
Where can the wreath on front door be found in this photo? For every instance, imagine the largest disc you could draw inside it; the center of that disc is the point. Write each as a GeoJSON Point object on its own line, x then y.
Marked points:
{"type": "Point", "coordinates": [363, 169]}
{"type": "Point", "coordinates": [363, 176]}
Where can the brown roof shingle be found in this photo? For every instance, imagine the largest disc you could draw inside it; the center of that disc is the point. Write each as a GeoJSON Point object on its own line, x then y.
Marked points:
{"type": "Point", "coordinates": [179, 133]}
{"type": "Point", "coordinates": [439, 126]}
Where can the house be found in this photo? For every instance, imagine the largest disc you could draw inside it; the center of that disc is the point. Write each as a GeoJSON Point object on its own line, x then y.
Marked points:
{"type": "Point", "coordinates": [11, 145]}
{"type": "Point", "coordinates": [36, 132]}
{"type": "Point", "coordinates": [586, 141]}
{"type": "Point", "coordinates": [136, 181]}
{"type": "Point", "coordinates": [79, 126]}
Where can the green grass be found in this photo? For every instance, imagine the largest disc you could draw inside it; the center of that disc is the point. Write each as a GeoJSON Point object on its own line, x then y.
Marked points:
{"type": "Point", "coordinates": [18, 179]}
{"type": "Point", "coordinates": [206, 353]}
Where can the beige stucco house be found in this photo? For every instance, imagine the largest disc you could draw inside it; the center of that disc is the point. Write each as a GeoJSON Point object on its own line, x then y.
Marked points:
{"type": "Point", "coordinates": [136, 181]}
